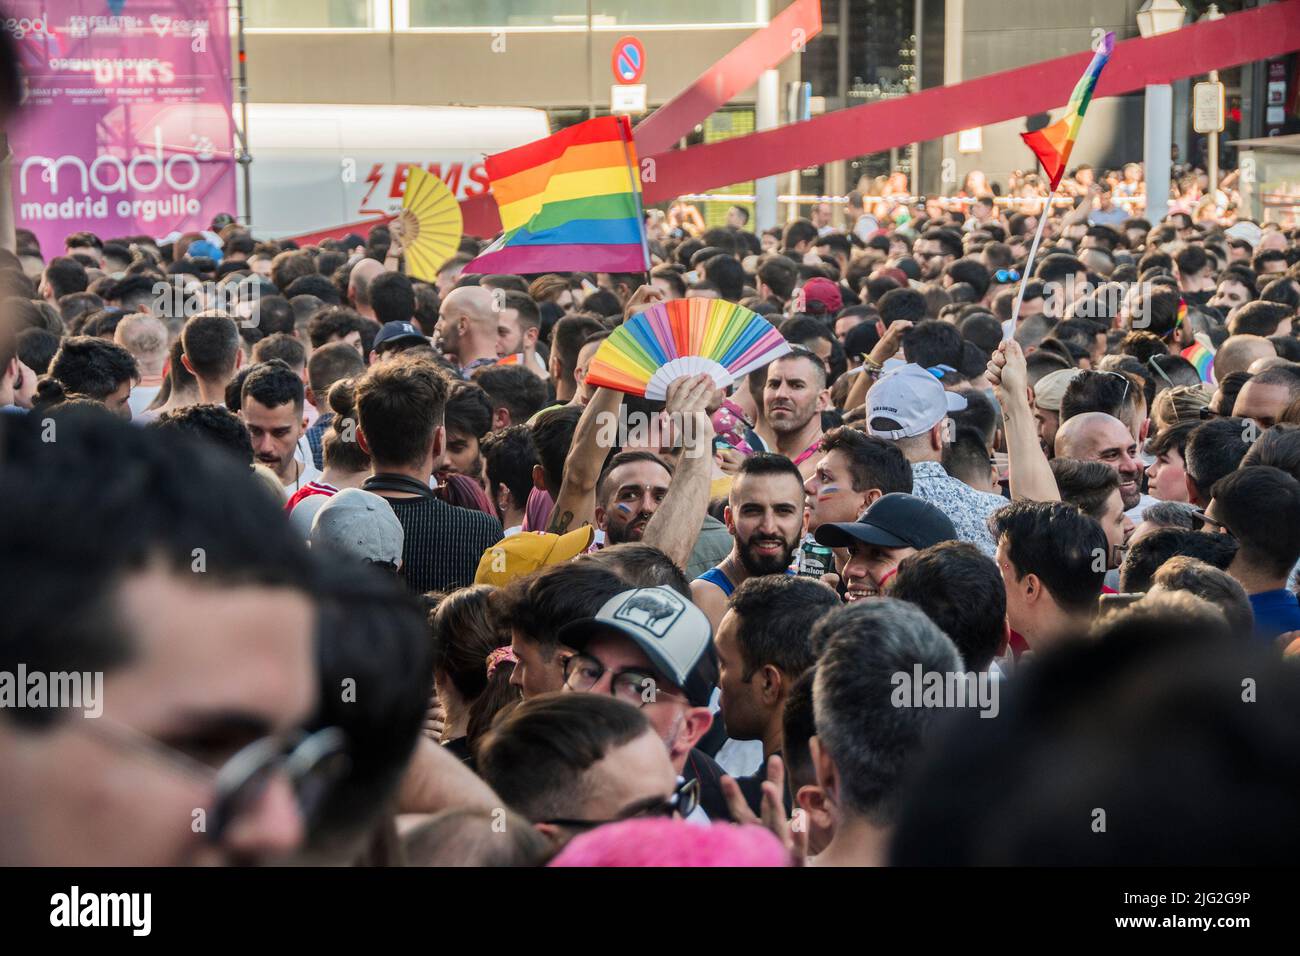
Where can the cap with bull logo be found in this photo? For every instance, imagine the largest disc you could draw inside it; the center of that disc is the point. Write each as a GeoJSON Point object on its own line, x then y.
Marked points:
{"type": "Point", "coordinates": [672, 632]}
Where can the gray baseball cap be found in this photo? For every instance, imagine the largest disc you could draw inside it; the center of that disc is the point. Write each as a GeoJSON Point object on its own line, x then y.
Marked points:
{"type": "Point", "coordinates": [359, 524]}
{"type": "Point", "coordinates": [674, 634]}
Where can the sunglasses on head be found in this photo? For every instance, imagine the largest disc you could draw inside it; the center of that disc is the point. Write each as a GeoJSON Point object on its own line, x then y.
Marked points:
{"type": "Point", "coordinates": [1128, 382]}
{"type": "Point", "coordinates": [1155, 367]}
{"type": "Point", "coordinates": [1203, 522]}
{"type": "Point", "coordinates": [1007, 275]}
{"type": "Point", "coordinates": [680, 803]}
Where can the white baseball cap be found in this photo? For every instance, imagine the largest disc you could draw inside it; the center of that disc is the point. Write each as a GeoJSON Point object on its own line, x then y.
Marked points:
{"type": "Point", "coordinates": [1246, 230]}
{"type": "Point", "coordinates": [1051, 388]}
{"type": "Point", "coordinates": [912, 397]}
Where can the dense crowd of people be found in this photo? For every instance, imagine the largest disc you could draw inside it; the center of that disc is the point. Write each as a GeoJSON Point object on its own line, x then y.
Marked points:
{"type": "Point", "coordinates": [370, 578]}
{"type": "Point", "coordinates": [1105, 197]}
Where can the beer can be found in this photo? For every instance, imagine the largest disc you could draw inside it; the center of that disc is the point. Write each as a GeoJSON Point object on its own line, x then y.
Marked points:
{"type": "Point", "coordinates": [815, 560]}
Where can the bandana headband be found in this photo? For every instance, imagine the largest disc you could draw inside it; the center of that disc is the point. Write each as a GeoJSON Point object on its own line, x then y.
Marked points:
{"type": "Point", "coordinates": [498, 656]}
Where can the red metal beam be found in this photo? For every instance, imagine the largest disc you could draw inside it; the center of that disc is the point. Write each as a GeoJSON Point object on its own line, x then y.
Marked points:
{"type": "Point", "coordinates": [763, 49]}
{"type": "Point", "coordinates": [1212, 45]}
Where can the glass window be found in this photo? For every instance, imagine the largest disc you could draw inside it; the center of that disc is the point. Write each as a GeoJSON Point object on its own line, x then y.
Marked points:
{"type": "Point", "coordinates": [309, 14]}
{"type": "Point", "coordinates": [673, 11]}
{"type": "Point", "coordinates": [554, 13]}
{"type": "Point", "coordinates": [498, 13]}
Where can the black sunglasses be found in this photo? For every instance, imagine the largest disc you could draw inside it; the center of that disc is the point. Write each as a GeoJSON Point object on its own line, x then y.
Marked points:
{"type": "Point", "coordinates": [681, 803]}
{"type": "Point", "coordinates": [314, 763]}
{"type": "Point", "coordinates": [1203, 522]}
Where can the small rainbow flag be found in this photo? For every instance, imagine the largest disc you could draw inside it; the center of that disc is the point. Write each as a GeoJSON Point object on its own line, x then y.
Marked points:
{"type": "Point", "coordinates": [1203, 360]}
{"type": "Point", "coordinates": [1053, 144]}
{"type": "Point", "coordinates": [570, 202]}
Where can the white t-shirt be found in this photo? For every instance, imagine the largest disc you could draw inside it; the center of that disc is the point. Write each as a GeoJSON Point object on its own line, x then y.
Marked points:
{"type": "Point", "coordinates": [866, 226]}
{"type": "Point", "coordinates": [1145, 502]}
{"type": "Point", "coordinates": [309, 473]}
{"type": "Point", "coordinates": [302, 452]}
{"type": "Point", "coordinates": [141, 397]}
{"type": "Point", "coordinates": [740, 758]}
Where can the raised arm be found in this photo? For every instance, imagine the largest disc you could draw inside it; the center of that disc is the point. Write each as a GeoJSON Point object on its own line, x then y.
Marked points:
{"type": "Point", "coordinates": [1081, 212]}
{"type": "Point", "coordinates": [675, 526]}
{"type": "Point", "coordinates": [1027, 466]}
{"type": "Point", "coordinates": [576, 505]}
{"type": "Point", "coordinates": [435, 780]}
{"type": "Point", "coordinates": [885, 349]}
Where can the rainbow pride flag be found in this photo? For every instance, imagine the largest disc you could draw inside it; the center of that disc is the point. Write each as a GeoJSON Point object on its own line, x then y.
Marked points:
{"type": "Point", "coordinates": [1203, 360]}
{"type": "Point", "coordinates": [1053, 144]}
{"type": "Point", "coordinates": [570, 202]}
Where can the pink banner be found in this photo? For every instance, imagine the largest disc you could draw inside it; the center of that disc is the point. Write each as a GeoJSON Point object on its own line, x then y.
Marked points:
{"type": "Point", "coordinates": [127, 127]}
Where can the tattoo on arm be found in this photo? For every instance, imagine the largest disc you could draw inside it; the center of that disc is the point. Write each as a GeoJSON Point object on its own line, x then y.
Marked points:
{"type": "Point", "coordinates": [560, 523]}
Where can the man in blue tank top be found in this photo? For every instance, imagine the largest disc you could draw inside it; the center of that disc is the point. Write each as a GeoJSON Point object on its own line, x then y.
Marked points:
{"type": "Point", "coordinates": [765, 517]}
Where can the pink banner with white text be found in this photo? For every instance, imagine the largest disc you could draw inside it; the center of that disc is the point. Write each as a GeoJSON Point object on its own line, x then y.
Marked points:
{"type": "Point", "coordinates": [126, 128]}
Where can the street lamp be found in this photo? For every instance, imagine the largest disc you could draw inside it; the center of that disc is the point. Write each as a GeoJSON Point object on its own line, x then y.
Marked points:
{"type": "Point", "coordinates": [1154, 18]}
{"type": "Point", "coordinates": [1160, 16]}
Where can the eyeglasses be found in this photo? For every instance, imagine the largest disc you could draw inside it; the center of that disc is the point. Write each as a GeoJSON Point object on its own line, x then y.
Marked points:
{"type": "Point", "coordinates": [1007, 275]}
{"type": "Point", "coordinates": [680, 803]}
{"type": "Point", "coordinates": [314, 763]}
{"type": "Point", "coordinates": [636, 687]}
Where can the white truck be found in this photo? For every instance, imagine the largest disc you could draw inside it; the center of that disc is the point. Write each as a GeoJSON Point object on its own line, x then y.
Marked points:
{"type": "Point", "coordinates": [323, 170]}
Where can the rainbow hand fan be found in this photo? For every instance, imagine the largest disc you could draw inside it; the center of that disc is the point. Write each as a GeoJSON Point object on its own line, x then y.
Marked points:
{"type": "Point", "coordinates": [684, 337]}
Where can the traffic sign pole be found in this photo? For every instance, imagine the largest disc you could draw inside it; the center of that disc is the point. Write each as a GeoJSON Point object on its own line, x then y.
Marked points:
{"type": "Point", "coordinates": [1208, 117]}
{"type": "Point", "coordinates": [1213, 144]}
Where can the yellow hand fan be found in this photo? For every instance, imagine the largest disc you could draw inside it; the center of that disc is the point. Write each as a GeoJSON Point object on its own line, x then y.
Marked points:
{"type": "Point", "coordinates": [430, 223]}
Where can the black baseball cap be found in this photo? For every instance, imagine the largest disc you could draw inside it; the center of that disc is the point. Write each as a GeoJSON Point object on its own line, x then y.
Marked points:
{"type": "Point", "coordinates": [894, 521]}
{"type": "Point", "coordinates": [397, 332]}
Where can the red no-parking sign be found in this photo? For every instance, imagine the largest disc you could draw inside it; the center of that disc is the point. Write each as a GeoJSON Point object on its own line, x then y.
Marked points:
{"type": "Point", "coordinates": [628, 60]}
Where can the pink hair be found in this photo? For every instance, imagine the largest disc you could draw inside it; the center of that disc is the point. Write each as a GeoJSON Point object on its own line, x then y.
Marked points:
{"type": "Point", "coordinates": [664, 842]}
{"type": "Point", "coordinates": [464, 492]}
{"type": "Point", "coordinates": [538, 510]}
